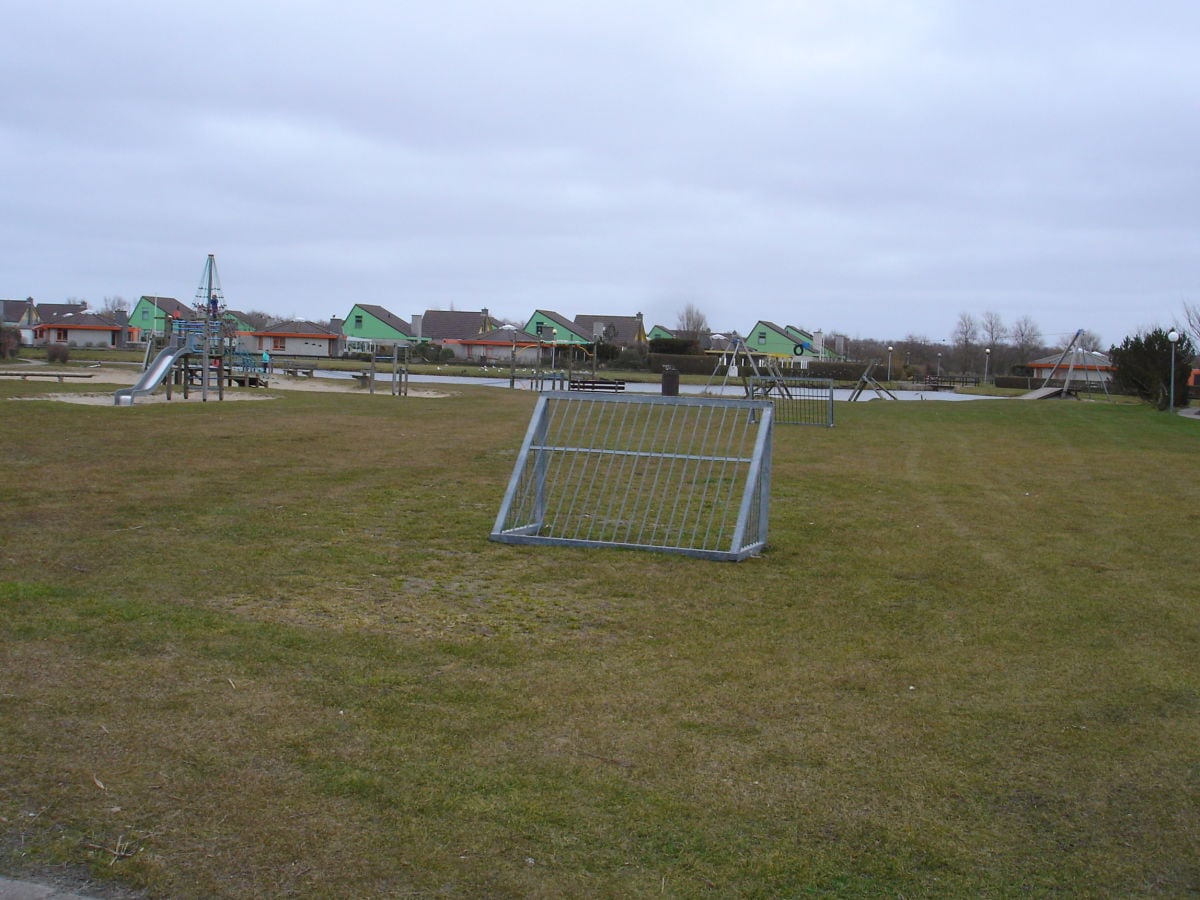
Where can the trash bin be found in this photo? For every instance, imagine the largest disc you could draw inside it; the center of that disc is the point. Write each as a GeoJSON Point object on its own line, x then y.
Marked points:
{"type": "Point", "coordinates": [670, 381]}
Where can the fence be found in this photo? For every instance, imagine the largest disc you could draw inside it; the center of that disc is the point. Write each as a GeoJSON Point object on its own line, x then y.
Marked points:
{"type": "Point", "coordinates": [687, 475]}
{"type": "Point", "coordinates": [798, 401]}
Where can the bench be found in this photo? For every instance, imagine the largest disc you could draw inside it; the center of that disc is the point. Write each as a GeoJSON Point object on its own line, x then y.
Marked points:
{"type": "Point", "coordinates": [595, 384]}
{"type": "Point", "coordinates": [299, 371]}
{"type": "Point", "coordinates": [59, 375]}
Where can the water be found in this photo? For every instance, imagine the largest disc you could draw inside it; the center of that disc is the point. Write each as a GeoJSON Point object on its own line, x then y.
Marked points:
{"type": "Point", "coordinates": [633, 387]}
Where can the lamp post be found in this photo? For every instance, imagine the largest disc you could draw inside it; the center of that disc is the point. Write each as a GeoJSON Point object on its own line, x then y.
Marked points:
{"type": "Point", "coordinates": [939, 371]}
{"type": "Point", "coordinates": [987, 358]}
{"type": "Point", "coordinates": [512, 366]}
{"type": "Point", "coordinates": [1173, 337]}
{"type": "Point", "coordinates": [890, 349]}
{"type": "Point", "coordinates": [553, 347]}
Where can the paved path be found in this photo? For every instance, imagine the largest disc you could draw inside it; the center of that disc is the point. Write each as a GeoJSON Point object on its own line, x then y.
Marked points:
{"type": "Point", "coordinates": [28, 890]}
{"type": "Point", "coordinates": [15, 889]}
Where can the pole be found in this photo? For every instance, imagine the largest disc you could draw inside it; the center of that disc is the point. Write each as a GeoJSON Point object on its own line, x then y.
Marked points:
{"type": "Point", "coordinates": [1173, 337]}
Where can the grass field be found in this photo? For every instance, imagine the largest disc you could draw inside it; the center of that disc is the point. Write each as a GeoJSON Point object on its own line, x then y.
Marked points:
{"type": "Point", "coordinates": [266, 649]}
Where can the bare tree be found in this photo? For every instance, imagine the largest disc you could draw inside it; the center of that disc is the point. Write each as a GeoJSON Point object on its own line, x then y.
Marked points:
{"type": "Point", "coordinates": [966, 330]}
{"type": "Point", "coordinates": [993, 329]}
{"type": "Point", "coordinates": [1191, 318]}
{"type": "Point", "coordinates": [113, 305]}
{"type": "Point", "coordinates": [1026, 337]}
{"type": "Point", "coordinates": [1088, 340]}
{"type": "Point", "coordinates": [691, 321]}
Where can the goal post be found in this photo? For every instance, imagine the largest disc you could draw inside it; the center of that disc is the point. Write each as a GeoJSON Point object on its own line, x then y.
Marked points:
{"type": "Point", "coordinates": [686, 475]}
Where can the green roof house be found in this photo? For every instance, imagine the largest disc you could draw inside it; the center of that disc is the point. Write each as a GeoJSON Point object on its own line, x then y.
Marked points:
{"type": "Point", "coordinates": [367, 322]}
{"type": "Point", "coordinates": [553, 328]}
{"type": "Point", "coordinates": [784, 343]}
{"type": "Point", "coordinates": [150, 314]}
{"type": "Point", "coordinates": [659, 332]}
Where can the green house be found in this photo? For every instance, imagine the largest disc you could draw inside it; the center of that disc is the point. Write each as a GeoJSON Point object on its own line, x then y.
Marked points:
{"type": "Point", "coordinates": [784, 343]}
{"type": "Point", "coordinates": [367, 326]}
{"type": "Point", "coordinates": [658, 332]}
{"type": "Point", "coordinates": [150, 314]}
{"type": "Point", "coordinates": [555, 329]}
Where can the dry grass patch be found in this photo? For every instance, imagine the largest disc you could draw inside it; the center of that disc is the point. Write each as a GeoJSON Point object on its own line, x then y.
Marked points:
{"type": "Point", "coordinates": [268, 650]}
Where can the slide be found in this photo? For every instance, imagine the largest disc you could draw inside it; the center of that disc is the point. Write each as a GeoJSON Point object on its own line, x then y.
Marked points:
{"type": "Point", "coordinates": [152, 377]}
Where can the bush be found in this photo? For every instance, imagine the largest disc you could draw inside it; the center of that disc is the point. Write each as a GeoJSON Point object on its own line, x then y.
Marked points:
{"type": "Point", "coordinates": [10, 340]}
{"type": "Point", "coordinates": [629, 359]}
{"type": "Point", "coordinates": [57, 353]}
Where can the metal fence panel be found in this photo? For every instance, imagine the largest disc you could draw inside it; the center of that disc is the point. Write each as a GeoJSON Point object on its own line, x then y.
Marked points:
{"type": "Point", "coordinates": [680, 474]}
{"type": "Point", "coordinates": [798, 401]}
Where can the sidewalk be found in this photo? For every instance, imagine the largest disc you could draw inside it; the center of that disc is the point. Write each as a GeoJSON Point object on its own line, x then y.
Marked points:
{"type": "Point", "coordinates": [28, 890]}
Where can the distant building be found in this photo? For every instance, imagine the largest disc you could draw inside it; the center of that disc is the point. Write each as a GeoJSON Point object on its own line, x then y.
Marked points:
{"type": "Point", "coordinates": [368, 327]}
{"type": "Point", "coordinates": [295, 338]}
{"type": "Point", "coordinates": [625, 332]}
{"type": "Point", "coordinates": [1078, 365]}
{"type": "Point", "coordinates": [151, 315]}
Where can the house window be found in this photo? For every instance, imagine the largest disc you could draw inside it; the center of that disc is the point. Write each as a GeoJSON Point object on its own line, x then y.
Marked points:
{"type": "Point", "coordinates": [762, 337]}
{"type": "Point", "coordinates": [358, 321]}
{"type": "Point", "coordinates": [145, 314]}
{"type": "Point", "coordinates": [60, 335]}
{"type": "Point", "coordinates": [278, 343]}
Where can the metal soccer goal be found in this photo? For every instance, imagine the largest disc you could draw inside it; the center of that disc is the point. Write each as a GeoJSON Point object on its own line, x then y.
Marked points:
{"type": "Point", "coordinates": [685, 475]}
{"type": "Point", "coordinates": [798, 401]}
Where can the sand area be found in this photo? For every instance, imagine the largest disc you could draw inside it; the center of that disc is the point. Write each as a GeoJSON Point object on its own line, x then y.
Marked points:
{"type": "Point", "coordinates": [128, 375]}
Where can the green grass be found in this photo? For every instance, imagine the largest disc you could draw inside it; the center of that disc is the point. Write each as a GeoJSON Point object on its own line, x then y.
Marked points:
{"type": "Point", "coordinates": [265, 649]}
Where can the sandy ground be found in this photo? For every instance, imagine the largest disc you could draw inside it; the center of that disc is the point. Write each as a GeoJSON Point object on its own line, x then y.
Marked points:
{"type": "Point", "coordinates": [128, 375]}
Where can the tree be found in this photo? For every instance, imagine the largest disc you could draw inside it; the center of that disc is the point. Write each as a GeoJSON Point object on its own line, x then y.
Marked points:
{"type": "Point", "coordinates": [1026, 337]}
{"type": "Point", "coordinates": [692, 322]}
{"type": "Point", "coordinates": [994, 331]}
{"type": "Point", "coordinates": [966, 330]}
{"type": "Point", "coordinates": [113, 305]}
{"type": "Point", "coordinates": [1191, 316]}
{"type": "Point", "coordinates": [1088, 340]}
{"type": "Point", "coordinates": [1143, 364]}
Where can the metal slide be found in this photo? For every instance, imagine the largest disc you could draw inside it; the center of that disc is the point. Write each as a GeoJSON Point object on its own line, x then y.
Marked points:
{"type": "Point", "coordinates": [153, 376]}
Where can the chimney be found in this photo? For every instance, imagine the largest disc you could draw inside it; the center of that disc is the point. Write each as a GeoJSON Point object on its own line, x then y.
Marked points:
{"type": "Point", "coordinates": [416, 325]}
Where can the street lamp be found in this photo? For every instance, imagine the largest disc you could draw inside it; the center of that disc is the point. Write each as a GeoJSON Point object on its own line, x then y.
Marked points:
{"type": "Point", "coordinates": [987, 358]}
{"type": "Point", "coordinates": [553, 346]}
{"type": "Point", "coordinates": [890, 349]}
{"type": "Point", "coordinates": [512, 370]}
{"type": "Point", "coordinates": [1173, 337]}
{"type": "Point", "coordinates": [939, 374]}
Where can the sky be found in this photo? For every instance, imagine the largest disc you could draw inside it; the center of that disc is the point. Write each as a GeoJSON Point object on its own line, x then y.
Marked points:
{"type": "Point", "coordinates": [869, 167]}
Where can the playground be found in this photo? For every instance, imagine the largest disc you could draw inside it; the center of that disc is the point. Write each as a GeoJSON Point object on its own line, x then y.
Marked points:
{"type": "Point", "coordinates": [267, 649]}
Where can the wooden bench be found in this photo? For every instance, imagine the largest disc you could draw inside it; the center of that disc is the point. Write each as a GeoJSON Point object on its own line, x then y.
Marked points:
{"type": "Point", "coordinates": [299, 371]}
{"type": "Point", "coordinates": [595, 384]}
{"type": "Point", "coordinates": [59, 375]}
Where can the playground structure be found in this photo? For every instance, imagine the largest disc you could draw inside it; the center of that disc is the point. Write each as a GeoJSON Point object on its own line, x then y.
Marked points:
{"type": "Point", "coordinates": [205, 339]}
{"type": "Point", "coordinates": [688, 475]}
{"type": "Point", "coordinates": [867, 382]}
{"type": "Point", "coordinates": [798, 400]}
{"type": "Point", "coordinates": [1070, 360]}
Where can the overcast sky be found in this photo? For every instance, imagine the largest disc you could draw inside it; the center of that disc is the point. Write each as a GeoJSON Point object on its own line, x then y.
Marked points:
{"type": "Point", "coordinates": [873, 168]}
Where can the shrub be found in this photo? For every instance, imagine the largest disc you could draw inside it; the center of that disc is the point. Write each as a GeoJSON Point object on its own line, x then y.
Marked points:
{"type": "Point", "coordinates": [57, 353]}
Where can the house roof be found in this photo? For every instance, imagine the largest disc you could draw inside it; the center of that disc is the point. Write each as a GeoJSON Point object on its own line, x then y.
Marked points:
{"type": "Point", "coordinates": [87, 320]}
{"type": "Point", "coordinates": [294, 328]}
{"type": "Point", "coordinates": [502, 337]}
{"type": "Point", "coordinates": [48, 312]}
{"type": "Point", "coordinates": [442, 324]}
{"type": "Point", "coordinates": [387, 317]}
{"type": "Point", "coordinates": [627, 330]}
{"type": "Point", "coordinates": [562, 322]}
{"type": "Point", "coordinates": [14, 310]}
{"type": "Point", "coordinates": [237, 315]}
{"type": "Point", "coordinates": [170, 306]}
{"type": "Point", "coordinates": [1087, 359]}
